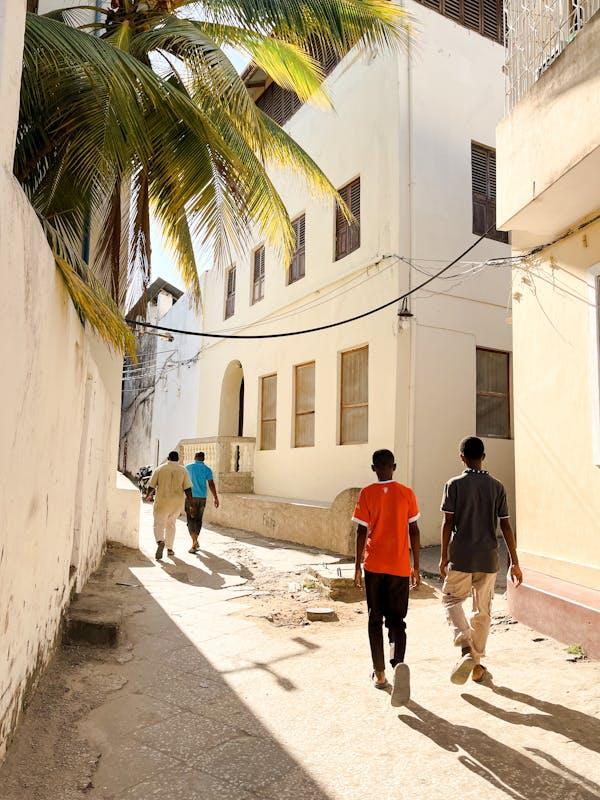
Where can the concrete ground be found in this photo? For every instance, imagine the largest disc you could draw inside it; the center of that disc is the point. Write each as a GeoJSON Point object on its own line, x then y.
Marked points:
{"type": "Point", "coordinates": [219, 689]}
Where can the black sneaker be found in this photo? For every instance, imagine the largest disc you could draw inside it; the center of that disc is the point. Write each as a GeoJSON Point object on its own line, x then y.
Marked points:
{"type": "Point", "coordinates": [170, 552]}
{"type": "Point", "coordinates": [159, 550]}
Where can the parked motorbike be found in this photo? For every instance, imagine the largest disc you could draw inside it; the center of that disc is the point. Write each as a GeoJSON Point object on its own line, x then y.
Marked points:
{"type": "Point", "coordinates": [142, 477]}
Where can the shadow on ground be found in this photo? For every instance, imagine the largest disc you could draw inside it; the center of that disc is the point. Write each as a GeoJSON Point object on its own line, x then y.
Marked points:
{"type": "Point", "coordinates": [172, 727]}
{"type": "Point", "coordinates": [505, 768]}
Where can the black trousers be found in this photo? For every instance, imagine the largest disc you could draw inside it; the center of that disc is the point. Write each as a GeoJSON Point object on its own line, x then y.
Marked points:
{"type": "Point", "coordinates": [387, 600]}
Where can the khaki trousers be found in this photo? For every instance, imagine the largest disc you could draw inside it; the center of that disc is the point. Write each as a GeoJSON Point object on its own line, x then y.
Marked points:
{"type": "Point", "coordinates": [164, 527]}
{"type": "Point", "coordinates": [457, 587]}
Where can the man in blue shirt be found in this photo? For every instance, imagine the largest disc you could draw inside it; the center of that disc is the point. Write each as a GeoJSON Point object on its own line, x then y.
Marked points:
{"type": "Point", "coordinates": [200, 475]}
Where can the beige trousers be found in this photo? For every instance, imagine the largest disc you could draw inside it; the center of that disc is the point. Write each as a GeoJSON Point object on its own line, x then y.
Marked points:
{"type": "Point", "coordinates": [164, 527]}
{"type": "Point", "coordinates": [457, 587]}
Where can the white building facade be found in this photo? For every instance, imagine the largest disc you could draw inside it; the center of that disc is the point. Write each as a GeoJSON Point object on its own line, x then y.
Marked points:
{"type": "Point", "coordinates": [410, 144]}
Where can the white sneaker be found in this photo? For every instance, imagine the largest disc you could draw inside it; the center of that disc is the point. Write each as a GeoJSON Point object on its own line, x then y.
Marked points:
{"type": "Point", "coordinates": [462, 669]}
{"type": "Point", "coordinates": [401, 689]}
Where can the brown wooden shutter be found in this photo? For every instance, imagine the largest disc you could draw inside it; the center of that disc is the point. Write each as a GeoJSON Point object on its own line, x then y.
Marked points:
{"type": "Point", "coordinates": [258, 275]}
{"type": "Point", "coordinates": [347, 236]}
{"type": "Point", "coordinates": [354, 422]}
{"type": "Point", "coordinates": [493, 393]}
{"type": "Point", "coordinates": [483, 180]}
{"type": "Point", "coordinates": [297, 266]}
{"type": "Point", "coordinates": [230, 294]}
{"type": "Point", "coordinates": [453, 9]}
{"type": "Point", "coordinates": [484, 16]}
{"type": "Point", "coordinates": [304, 429]}
{"type": "Point", "coordinates": [268, 406]}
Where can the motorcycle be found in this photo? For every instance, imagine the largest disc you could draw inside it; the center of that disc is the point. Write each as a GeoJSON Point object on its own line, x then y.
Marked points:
{"type": "Point", "coordinates": [142, 477]}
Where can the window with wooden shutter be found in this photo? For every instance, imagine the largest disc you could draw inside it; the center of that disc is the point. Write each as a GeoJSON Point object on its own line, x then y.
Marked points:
{"type": "Point", "coordinates": [258, 280]}
{"type": "Point", "coordinates": [304, 411]}
{"type": "Point", "coordinates": [483, 182]}
{"type": "Point", "coordinates": [296, 270]}
{"type": "Point", "coordinates": [32, 6]}
{"type": "Point", "coordinates": [268, 412]}
{"type": "Point", "coordinates": [281, 104]}
{"type": "Point", "coordinates": [230, 293]}
{"type": "Point", "coordinates": [493, 393]}
{"type": "Point", "coordinates": [354, 394]}
{"type": "Point", "coordinates": [484, 16]}
{"type": "Point", "coordinates": [347, 234]}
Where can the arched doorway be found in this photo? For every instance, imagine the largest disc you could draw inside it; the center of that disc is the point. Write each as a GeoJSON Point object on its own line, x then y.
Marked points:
{"type": "Point", "coordinates": [231, 412]}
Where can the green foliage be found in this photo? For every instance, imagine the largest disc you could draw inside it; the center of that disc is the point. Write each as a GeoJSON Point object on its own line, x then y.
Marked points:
{"type": "Point", "coordinates": [149, 114]}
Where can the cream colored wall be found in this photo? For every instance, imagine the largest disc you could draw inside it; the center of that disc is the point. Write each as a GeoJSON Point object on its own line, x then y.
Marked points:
{"type": "Point", "coordinates": [58, 422]}
{"type": "Point", "coordinates": [457, 97]}
{"type": "Point", "coordinates": [556, 404]}
{"type": "Point", "coordinates": [553, 135]}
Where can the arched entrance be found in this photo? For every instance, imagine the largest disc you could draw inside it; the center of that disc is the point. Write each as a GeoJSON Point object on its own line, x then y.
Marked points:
{"type": "Point", "coordinates": [231, 412]}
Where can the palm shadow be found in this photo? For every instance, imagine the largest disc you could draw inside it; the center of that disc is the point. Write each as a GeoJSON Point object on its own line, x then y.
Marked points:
{"type": "Point", "coordinates": [575, 725]}
{"type": "Point", "coordinates": [505, 768]}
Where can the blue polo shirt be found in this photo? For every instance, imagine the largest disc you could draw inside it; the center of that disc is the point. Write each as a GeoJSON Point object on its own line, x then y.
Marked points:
{"type": "Point", "coordinates": [199, 474]}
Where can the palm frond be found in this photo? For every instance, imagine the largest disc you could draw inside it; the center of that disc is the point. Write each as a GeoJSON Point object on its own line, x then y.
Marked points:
{"type": "Point", "coordinates": [91, 300]}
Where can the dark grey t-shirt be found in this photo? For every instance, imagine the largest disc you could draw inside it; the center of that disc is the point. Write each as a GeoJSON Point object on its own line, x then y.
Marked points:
{"type": "Point", "coordinates": [477, 501]}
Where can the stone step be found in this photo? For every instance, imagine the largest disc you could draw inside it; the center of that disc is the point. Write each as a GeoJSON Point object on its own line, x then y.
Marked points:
{"type": "Point", "coordinates": [92, 621]}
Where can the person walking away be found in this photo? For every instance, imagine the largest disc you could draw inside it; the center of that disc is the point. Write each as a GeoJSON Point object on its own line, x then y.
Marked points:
{"type": "Point", "coordinates": [387, 514]}
{"type": "Point", "coordinates": [473, 503]}
{"type": "Point", "coordinates": [172, 484]}
{"type": "Point", "coordinates": [200, 475]}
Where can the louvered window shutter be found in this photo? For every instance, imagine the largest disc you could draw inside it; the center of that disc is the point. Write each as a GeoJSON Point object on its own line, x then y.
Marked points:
{"type": "Point", "coordinates": [258, 285]}
{"type": "Point", "coordinates": [354, 394]}
{"type": "Point", "coordinates": [297, 266]}
{"type": "Point", "coordinates": [484, 16]}
{"type": "Point", "coordinates": [483, 179]}
{"type": "Point", "coordinates": [304, 428]}
{"type": "Point", "coordinates": [268, 406]}
{"type": "Point", "coordinates": [230, 295]}
{"type": "Point", "coordinates": [347, 236]}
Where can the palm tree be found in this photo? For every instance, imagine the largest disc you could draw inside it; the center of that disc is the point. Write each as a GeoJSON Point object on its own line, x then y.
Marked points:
{"type": "Point", "coordinates": [150, 115]}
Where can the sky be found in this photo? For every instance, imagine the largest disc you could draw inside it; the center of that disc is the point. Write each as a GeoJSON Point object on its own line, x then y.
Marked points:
{"type": "Point", "coordinates": [163, 263]}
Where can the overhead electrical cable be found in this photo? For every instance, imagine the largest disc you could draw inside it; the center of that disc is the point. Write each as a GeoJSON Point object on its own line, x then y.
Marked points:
{"type": "Point", "coordinates": [317, 328]}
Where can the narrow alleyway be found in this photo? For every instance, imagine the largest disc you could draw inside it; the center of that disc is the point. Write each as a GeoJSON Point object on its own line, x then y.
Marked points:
{"type": "Point", "coordinates": [220, 690]}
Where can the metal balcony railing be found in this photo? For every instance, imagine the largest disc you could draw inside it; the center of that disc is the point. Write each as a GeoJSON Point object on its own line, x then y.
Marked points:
{"type": "Point", "coordinates": [536, 33]}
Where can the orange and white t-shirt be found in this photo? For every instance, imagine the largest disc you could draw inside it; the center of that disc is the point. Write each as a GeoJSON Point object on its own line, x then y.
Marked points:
{"type": "Point", "coordinates": [386, 508]}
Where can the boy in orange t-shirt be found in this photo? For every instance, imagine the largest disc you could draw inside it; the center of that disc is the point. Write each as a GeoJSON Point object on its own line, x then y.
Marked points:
{"type": "Point", "coordinates": [387, 515]}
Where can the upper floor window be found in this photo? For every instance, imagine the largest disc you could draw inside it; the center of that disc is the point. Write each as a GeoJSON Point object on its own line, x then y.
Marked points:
{"type": "Point", "coordinates": [258, 279]}
{"type": "Point", "coordinates": [32, 6]}
{"type": "Point", "coordinates": [483, 184]}
{"type": "Point", "coordinates": [296, 270]}
{"type": "Point", "coordinates": [493, 393]}
{"type": "Point", "coordinates": [483, 16]}
{"type": "Point", "coordinates": [230, 293]}
{"type": "Point", "coordinates": [304, 411]}
{"type": "Point", "coordinates": [281, 104]}
{"type": "Point", "coordinates": [354, 395]}
{"type": "Point", "coordinates": [347, 235]}
{"type": "Point", "coordinates": [268, 412]}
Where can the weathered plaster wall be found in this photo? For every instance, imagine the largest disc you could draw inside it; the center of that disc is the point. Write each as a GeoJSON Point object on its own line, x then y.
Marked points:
{"type": "Point", "coordinates": [327, 527]}
{"type": "Point", "coordinates": [59, 417]}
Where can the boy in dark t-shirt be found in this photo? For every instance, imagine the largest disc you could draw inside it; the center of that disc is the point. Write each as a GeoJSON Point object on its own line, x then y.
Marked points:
{"type": "Point", "coordinates": [473, 503]}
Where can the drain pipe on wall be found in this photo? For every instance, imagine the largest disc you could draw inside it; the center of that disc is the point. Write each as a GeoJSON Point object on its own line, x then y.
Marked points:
{"type": "Point", "coordinates": [412, 329]}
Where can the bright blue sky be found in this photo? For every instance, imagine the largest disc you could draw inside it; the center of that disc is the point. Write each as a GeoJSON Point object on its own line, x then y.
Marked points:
{"type": "Point", "coordinates": [163, 264]}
